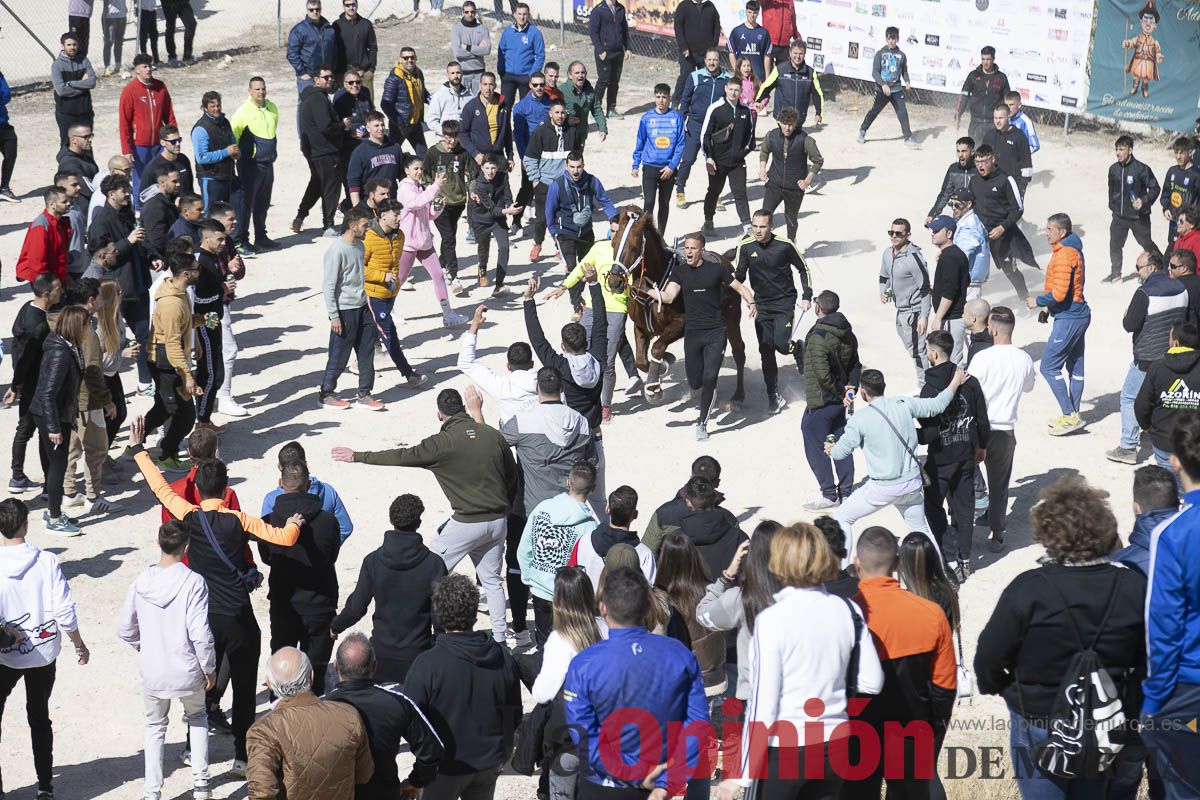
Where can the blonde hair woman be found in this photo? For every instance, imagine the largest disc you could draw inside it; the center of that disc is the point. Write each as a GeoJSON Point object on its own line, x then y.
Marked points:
{"type": "Point", "coordinates": [113, 352]}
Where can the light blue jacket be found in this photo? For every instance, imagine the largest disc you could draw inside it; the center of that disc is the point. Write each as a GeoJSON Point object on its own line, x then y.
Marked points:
{"type": "Point", "coordinates": [330, 501]}
{"type": "Point", "coordinates": [971, 237]}
{"type": "Point", "coordinates": [550, 534]}
{"type": "Point", "coordinates": [888, 462]}
{"type": "Point", "coordinates": [659, 140]}
{"type": "Point", "coordinates": [1025, 125]}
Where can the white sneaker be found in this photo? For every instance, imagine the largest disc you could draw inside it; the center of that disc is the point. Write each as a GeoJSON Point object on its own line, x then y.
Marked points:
{"type": "Point", "coordinates": [229, 407]}
{"type": "Point", "coordinates": [101, 506]}
{"type": "Point", "coordinates": [72, 500]}
{"type": "Point", "coordinates": [821, 504]}
{"type": "Point", "coordinates": [456, 287]}
{"type": "Point", "coordinates": [452, 319]}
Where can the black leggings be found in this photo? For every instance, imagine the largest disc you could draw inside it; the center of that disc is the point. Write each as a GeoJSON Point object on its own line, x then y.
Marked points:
{"type": "Point", "coordinates": [656, 193]}
{"type": "Point", "coordinates": [774, 331]}
{"type": "Point", "coordinates": [239, 639]}
{"type": "Point", "coordinates": [55, 459]}
{"type": "Point", "coordinates": [703, 352]}
{"type": "Point", "coordinates": [148, 33]}
{"type": "Point", "coordinates": [518, 592]}
{"type": "Point", "coordinates": [8, 149]}
{"type": "Point", "coordinates": [39, 684]}
{"type": "Point", "coordinates": [179, 10]}
{"type": "Point", "coordinates": [791, 199]}
{"type": "Point", "coordinates": [113, 383]}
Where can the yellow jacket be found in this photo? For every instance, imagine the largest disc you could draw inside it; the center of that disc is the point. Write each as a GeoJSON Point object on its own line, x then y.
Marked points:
{"type": "Point", "coordinates": [381, 258]}
{"type": "Point", "coordinates": [601, 257]}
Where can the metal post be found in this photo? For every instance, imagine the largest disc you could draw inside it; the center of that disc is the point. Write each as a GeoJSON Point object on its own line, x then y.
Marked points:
{"type": "Point", "coordinates": [279, 23]}
{"type": "Point", "coordinates": [562, 22]}
{"type": "Point", "coordinates": [1066, 123]}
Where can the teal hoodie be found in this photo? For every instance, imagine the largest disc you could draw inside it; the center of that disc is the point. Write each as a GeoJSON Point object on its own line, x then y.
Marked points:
{"type": "Point", "coordinates": [888, 461]}
{"type": "Point", "coordinates": [548, 539]}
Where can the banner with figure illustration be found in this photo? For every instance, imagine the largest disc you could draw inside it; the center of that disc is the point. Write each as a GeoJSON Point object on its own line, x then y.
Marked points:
{"type": "Point", "coordinates": [1145, 60]}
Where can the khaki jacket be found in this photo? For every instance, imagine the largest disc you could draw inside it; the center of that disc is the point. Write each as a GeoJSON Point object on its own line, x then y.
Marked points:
{"type": "Point", "coordinates": [307, 749]}
{"type": "Point", "coordinates": [171, 328]}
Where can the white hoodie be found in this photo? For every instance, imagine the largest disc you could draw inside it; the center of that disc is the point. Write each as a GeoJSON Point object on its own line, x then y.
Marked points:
{"type": "Point", "coordinates": [34, 594]}
{"type": "Point", "coordinates": [512, 390]}
{"type": "Point", "coordinates": [165, 618]}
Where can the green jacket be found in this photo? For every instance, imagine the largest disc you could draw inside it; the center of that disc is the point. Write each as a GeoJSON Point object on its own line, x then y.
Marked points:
{"type": "Point", "coordinates": [830, 361]}
{"type": "Point", "coordinates": [471, 462]}
{"type": "Point", "coordinates": [580, 103]}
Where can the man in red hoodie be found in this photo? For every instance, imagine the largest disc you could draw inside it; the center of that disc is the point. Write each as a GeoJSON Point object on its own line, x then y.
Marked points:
{"type": "Point", "coordinates": [779, 18]}
{"type": "Point", "coordinates": [144, 108]}
{"type": "Point", "coordinates": [46, 241]}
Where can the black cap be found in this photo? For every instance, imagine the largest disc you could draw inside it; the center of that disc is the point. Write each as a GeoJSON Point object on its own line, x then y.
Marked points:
{"type": "Point", "coordinates": [962, 193]}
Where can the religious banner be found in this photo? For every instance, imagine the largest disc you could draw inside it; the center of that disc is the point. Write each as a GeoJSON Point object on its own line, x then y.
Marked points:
{"type": "Point", "coordinates": [1145, 60]}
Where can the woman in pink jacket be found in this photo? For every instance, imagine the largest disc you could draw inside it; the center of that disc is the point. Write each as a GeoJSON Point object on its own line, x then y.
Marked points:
{"type": "Point", "coordinates": [416, 222]}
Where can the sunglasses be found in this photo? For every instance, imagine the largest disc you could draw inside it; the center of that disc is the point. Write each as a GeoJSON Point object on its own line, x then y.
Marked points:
{"type": "Point", "coordinates": [354, 83]}
{"type": "Point", "coordinates": [89, 136]}
{"type": "Point", "coordinates": [174, 141]}
{"type": "Point", "coordinates": [314, 10]}
{"type": "Point", "coordinates": [897, 234]}
{"type": "Point", "coordinates": [349, 5]}
{"type": "Point", "coordinates": [408, 58]}
{"type": "Point", "coordinates": [324, 77]}
{"type": "Point", "coordinates": [537, 85]}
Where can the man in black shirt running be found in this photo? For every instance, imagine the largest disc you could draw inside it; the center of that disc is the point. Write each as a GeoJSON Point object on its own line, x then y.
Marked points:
{"type": "Point", "coordinates": [769, 259]}
{"type": "Point", "coordinates": [701, 280]}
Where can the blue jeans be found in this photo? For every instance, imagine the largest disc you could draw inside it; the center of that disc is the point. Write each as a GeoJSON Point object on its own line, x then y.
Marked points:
{"type": "Point", "coordinates": [1131, 432]}
{"type": "Point", "coordinates": [1035, 784]}
{"type": "Point", "coordinates": [1064, 349]}
{"type": "Point", "coordinates": [381, 314]}
{"type": "Point", "coordinates": [691, 149]}
{"type": "Point", "coordinates": [815, 425]}
{"type": "Point", "coordinates": [359, 335]}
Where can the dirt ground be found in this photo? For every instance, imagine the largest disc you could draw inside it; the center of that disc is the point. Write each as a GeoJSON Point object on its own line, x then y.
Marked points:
{"type": "Point", "coordinates": [281, 331]}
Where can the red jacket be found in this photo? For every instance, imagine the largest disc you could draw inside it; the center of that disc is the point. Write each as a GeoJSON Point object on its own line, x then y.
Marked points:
{"type": "Point", "coordinates": [45, 248]}
{"type": "Point", "coordinates": [779, 18]}
{"type": "Point", "coordinates": [185, 487]}
{"type": "Point", "coordinates": [144, 108]}
{"type": "Point", "coordinates": [1189, 241]}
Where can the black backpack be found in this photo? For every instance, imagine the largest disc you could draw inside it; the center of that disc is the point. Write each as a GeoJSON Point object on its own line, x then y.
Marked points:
{"type": "Point", "coordinates": [1087, 710]}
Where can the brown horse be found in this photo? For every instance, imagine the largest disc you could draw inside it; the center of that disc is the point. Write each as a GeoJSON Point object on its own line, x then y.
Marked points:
{"type": "Point", "coordinates": [640, 249]}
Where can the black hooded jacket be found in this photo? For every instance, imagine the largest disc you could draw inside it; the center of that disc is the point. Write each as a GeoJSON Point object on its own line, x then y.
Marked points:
{"type": "Point", "coordinates": [321, 132]}
{"type": "Point", "coordinates": [715, 532]}
{"type": "Point", "coordinates": [399, 577]}
{"type": "Point", "coordinates": [1170, 392]}
{"type": "Point", "coordinates": [954, 435]}
{"type": "Point", "coordinates": [470, 687]}
{"type": "Point", "coordinates": [391, 717]}
{"type": "Point", "coordinates": [304, 574]}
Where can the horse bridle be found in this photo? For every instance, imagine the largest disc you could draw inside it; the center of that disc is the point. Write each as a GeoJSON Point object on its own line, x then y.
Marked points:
{"type": "Point", "coordinates": [640, 286]}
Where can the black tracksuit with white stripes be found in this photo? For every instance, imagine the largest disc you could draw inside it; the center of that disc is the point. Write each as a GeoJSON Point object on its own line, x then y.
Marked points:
{"type": "Point", "coordinates": [210, 366]}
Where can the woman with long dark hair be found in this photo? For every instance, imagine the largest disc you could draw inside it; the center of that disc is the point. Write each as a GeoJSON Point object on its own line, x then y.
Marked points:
{"type": "Point", "coordinates": [55, 408]}
{"type": "Point", "coordinates": [739, 594]}
{"type": "Point", "coordinates": [576, 627]}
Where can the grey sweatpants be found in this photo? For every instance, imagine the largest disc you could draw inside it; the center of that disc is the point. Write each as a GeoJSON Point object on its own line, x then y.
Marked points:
{"type": "Point", "coordinates": [914, 343]}
{"type": "Point", "coordinates": [484, 543]}
{"type": "Point", "coordinates": [617, 345]}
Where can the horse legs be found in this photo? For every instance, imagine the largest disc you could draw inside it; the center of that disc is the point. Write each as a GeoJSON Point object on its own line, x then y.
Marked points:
{"type": "Point", "coordinates": [660, 360]}
{"type": "Point", "coordinates": [733, 332]}
{"type": "Point", "coordinates": [641, 343]}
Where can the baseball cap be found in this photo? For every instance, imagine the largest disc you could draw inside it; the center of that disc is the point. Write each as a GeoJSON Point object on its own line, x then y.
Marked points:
{"type": "Point", "coordinates": [942, 222]}
{"type": "Point", "coordinates": [963, 193]}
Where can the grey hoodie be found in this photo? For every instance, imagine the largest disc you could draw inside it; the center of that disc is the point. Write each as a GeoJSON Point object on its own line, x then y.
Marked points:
{"type": "Point", "coordinates": [165, 618]}
{"type": "Point", "coordinates": [549, 438]}
{"type": "Point", "coordinates": [344, 283]}
{"type": "Point", "coordinates": [907, 275]}
{"type": "Point", "coordinates": [470, 44]}
{"type": "Point", "coordinates": [73, 79]}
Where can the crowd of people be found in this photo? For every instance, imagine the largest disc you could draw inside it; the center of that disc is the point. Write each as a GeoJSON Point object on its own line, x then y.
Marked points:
{"type": "Point", "coordinates": [687, 630]}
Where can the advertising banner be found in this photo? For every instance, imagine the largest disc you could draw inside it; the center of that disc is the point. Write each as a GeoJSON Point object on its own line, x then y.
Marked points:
{"type": "Point", "coordinates": [1041, 45]}
{"type": "Point", "coordinates": [1145, 62]}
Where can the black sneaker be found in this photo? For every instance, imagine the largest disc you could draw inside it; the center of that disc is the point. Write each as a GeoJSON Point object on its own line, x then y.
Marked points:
{"type": "Point", "coordinates": [19, 484]}
{"type": "Point", "coordinates": [6, 194]}
{"type": "Point", "coordinates": [776, 403]}
{"type": "Point", "coordinates": [996, 542]}
{"type": "Point", "coordinates": [962, 571]}
{"type": "Point", "coordinates": [263, 243]}
{"type": "Point", "coordinates": [709, 229]}
{"type": "Point", "coordinates": [218, 724]}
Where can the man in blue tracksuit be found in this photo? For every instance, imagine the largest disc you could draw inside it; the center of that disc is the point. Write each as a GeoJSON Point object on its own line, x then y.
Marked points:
{"type": "Point", "coordinates": [1172, 686]}
{"type": "Point", "coordinates": [633, 669]}
{"type": "Point", "coordinates": [527, 116]}
{"type": "Point", "coordinates": [657, 153]}
{"type": "Point", "coordinates": [570, 201]}
{"type": "Point", "coordinates": [331, 501]}
{"type": "Point", "coordinates": [216, 151]}
{"type": "Point", "coordinates": [521, 52]}
{"type": "Point", "coordinates": [703, 88]}
{"type": "Point", "coordinates": [311, 43]}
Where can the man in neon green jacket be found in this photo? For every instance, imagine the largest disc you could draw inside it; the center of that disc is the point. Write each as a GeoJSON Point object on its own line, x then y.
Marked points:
{"type": "Point", "coordinates": [254, 127]}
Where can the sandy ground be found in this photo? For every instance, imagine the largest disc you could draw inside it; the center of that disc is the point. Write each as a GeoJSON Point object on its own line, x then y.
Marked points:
{"type": "Point", "coordinates": [282, 334]}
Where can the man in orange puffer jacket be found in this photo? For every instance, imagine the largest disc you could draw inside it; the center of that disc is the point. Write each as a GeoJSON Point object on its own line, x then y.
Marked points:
{"type": "Point", "coordinates": [382, 247]}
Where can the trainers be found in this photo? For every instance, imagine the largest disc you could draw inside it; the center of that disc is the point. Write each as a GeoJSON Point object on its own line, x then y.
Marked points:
{"type": "Point", "coordinates": [61, 526]}
{"type": "Point", "coordinates": [701, 432]}
{"type": "Point", "coordinates": [962, 571]}
{"type": "Point", "coordinates": [912, 144]}
{"type": "Point", "coordinates": [634, 389]}
{"type": "Point", "coordinates": [517, 639]}
{"type": "Point", "coordinates": [456, 287]}
{"type": "Point", "coordinates": [100, 506]}
{"type": "Point", "coordinates": [265, 243]}
{"type": "Point", "coordinates": [500, 291]}
{"type": "Point", "coordinates": [174, 63]}
{"type": "Point", "coordinates": [185, 757]}
{"type": "Point", "coordinates": [996, 542]}
{"type": "Point", "coordinates": [1122, 455]}
{"type": "Point", "coordinates": [709, 229]}
{"type": "Point", "coordinates": [173, 464]}
{"type": "Point", "coordinates": [201, 792]}
{"type": "Point", "coordinates": [614, 114]}
{"type": "Point", "coordinates": [331, 401]}
{"type": "Point", "coordinates": [862, 137]}
{"type": "Point", "coordinates": [369, 403]}
{"type": "Point", "coordinates": [218, 724]}
{"type": "Point", "coordinates": [982, 503]}
{"type": "Point", "coordinates": [1069, 424]}
{"type": "Point", "coordinates": [408, 287]}
{"type": "Point", "coordinates": [535, 252]}
{"type": "Point", "coordinates": [606, 413]}
{"type": "Point", "coordinates": [112, 477]}
{"type": "Point", "coordinates": [238, 769]}
{"type": "Point", "coordinates": [246, 249]}
{"type": "Point", "coordinates": [45, 794]}
{"type": "Point", "coordinates": [452, 319]}
{"type": "Point", "coordinates": [331, 233]}
{"type": "Point", "coordinates": [229, 407]}
{"type": "Point", "coordinates": [1111, 277]}
{"type": "Point", "coordinates": [21, 484]}
{"type": "Point", "coordinates": [416, 380]}
{"type": "Point", "coordinates": [108, 71]}
{"type": "Point", "coordinates": [6, 194]}
{"type": "Point", "coordinates": [822, 504]}
{"type": "Point", "coordinates": [297, 225]}
{"type": "Point", "coordinates": [680, 200]}
{"type": "Point", "coordinates": [776, 403]}
{"type": "Point", "coordinates": [72, 500]}
{"type": "Point", "coordinates": [146, 389]}
{"type": "Point", "coordinates": [483, 279]}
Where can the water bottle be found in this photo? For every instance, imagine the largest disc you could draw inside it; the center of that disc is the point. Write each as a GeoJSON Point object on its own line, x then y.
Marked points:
{"type": "Point", "coordinates": [850, 395]}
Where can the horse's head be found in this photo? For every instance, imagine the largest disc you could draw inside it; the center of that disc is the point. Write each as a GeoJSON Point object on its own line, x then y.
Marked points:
{"type": "Point", "coordinates": [637, 245]}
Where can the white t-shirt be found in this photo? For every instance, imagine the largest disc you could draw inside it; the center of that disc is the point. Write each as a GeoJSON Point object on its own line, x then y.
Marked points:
{"type": "Point", "coordinates": [556, 658]}
{"type": "Point", "coordinates": [1004, 372]}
